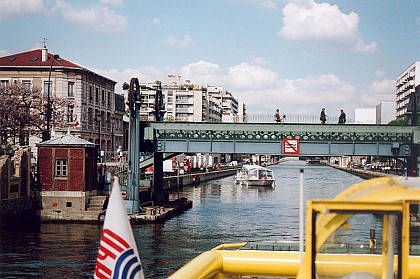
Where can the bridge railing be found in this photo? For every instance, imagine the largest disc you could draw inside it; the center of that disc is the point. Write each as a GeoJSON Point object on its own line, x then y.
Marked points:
{"type": "Point", "coordinates": [266, 118]}
{"type": "Point", "coordinates": [292, 118]}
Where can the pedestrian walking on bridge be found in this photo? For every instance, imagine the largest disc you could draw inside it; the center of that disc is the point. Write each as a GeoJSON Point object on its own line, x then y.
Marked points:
{"type": "Point", "coordinates": [277, 117]}
{"type": "Point", "coordinates": [323, 116]}
{"type": "Point", "coordinates": [342, 118]}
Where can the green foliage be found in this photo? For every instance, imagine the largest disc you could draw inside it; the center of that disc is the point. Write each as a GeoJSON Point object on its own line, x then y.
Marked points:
{"type": "Point", "coordinates": [125, 86]}
{"type": "Point", "coordinates": [404, 121]}
{"type": "Point", "coordinates": [400, 121]}
{"type": "Point", "coordinates": [6, 149]}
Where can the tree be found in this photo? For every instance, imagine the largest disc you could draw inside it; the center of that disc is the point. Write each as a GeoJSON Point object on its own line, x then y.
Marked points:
{"type": "Point", "coordinates": [125, 86]}
{"type": "Point", "coordinates": [400, 121]}
{"type": "Point", "coordinates": [23, 113]}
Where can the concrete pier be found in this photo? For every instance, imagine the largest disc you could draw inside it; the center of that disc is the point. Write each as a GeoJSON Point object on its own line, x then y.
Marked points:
{"type": "Point", "coordinates": [153, 214]}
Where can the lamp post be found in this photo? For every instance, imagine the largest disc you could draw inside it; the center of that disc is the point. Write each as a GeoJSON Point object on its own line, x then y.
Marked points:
{"type": "Point", "coordinates": [112, 133]}
{"type": "Point", "coordinates": [98, 117]}
{"type": "Point", "coordinates": [48, 135]}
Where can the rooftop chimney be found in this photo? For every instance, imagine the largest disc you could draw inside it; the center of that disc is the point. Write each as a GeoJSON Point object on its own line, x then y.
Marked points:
{"type": "Point", "coordinates": [44, 54]}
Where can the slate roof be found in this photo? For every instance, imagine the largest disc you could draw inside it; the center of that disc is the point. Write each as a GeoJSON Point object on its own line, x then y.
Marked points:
{"type": "Point", "coordinates": [33, 58]}
{"type": "Point", "coordinates": [67, 140]}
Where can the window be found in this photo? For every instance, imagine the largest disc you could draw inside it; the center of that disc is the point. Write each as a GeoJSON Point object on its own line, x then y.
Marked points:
{"type": "Point", "coordinates": [70, 114]}
{"type": "Point", "coordinates": [61, 168]}
{"type": "Point", "coordinates": [46, 88]}
{"type": "Point", "coordinates": [90, 116]}
{"type": "Point", "coordinates": [70, 89]}
{"type": "Point", "coordinates": [90, 93]}
{"type": "Point", "coordinates": [97, 95]}
{"type": "Point", "coordinates": [4, 82]}
{"type": "Point", "coordinates": [103, 96]}
{"type": "Point", "coordinates": [109, 98]}
{"type": "Point", "coordinates": [26, 84]}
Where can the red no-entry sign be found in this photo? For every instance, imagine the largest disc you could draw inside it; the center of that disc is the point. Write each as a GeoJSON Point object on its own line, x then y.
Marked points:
{"type": "Point", "coordinates": [291, 146]}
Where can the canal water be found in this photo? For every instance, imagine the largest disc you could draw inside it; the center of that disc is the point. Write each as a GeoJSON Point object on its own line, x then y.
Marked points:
{"type": "Point", "coordinates": [222, 212]}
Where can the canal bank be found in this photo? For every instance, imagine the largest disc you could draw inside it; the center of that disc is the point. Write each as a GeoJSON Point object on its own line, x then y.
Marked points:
{"type": "Point", "coordinates": [365, 174]}
{"type": "Point", "coordinates": [172, 182]}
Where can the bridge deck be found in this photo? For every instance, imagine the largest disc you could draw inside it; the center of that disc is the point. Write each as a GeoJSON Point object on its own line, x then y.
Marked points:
{"type": "Point", "coordinates": [269, 138]}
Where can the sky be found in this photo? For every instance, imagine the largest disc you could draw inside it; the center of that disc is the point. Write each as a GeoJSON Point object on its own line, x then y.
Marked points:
{"type": "Point", "coordinates": [295, 55]}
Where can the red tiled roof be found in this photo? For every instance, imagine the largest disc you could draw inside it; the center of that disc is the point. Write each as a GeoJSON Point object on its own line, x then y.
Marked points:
{"type": "Point", "coordinates": [33, 58]}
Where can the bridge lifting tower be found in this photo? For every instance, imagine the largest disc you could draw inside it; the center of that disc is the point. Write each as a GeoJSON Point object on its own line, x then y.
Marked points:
{"type": "Point", "coordinates": [133, 177]}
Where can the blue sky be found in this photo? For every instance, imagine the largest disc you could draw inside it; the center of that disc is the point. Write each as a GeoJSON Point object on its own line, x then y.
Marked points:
{"type": "Point", "coordinates": [298, 56]}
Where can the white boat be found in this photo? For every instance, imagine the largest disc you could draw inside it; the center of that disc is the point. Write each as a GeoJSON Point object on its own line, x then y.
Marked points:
{"type": "Point", "coordinates": [254, 175]}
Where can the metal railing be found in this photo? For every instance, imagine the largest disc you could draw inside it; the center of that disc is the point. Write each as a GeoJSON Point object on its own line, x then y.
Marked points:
{"type": "Point", "coordinates": [266, 118]}
{"type": "Point", "coordinates": [292, 118]}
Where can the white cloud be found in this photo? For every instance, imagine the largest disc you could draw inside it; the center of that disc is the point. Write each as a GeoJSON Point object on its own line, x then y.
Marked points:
{"type": "Point", "coordinates": [10, 8]}
{"type": "Point", "coordinates": [202, 73]}
{"type": "Point", "coordinates": [307, 20]}
{"type": "Point", "coordinates": [97, 17]}
{"type": "Point", "coordinates": [183, 42]}
{"type": "Point", "coordinates": [144, 74]}
{"type": "Point", "coordinates": [379, 91]}
{"type": "Point", "coordinates": [379, 73]}
{"type": "Point", "coordinates": [3, 52]}
{"type": "Point", "coordinates": [251, 76]}
{"type": "Point", "coordinates": [112, 2]}
{"type": "Point", "coordinates": [156, 21]}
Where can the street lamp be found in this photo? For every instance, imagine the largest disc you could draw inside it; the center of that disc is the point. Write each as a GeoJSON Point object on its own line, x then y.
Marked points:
{"type": "Point", "coordinates": [98, 117]}
{"type": "Point", "coordinates": [48, 135]}
{"type": "Point", "coordinates": [112, 133]}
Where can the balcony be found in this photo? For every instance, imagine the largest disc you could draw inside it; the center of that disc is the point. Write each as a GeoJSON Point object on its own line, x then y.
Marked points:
{"type": "Point", "coordinates": [184, 110]}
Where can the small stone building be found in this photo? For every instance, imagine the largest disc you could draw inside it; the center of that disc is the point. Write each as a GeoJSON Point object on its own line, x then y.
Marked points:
{"type": "Point", "coordinates": [68, 178]}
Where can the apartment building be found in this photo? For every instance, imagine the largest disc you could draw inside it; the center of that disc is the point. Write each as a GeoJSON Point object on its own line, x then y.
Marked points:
{"type": "Point", "coordinates": [230, 105]}
{"type": "Point", "coordinates": [406, 85]}
{"type": "Point", "coordinates": [185, 101]}
{"type": "Point", "coordinates": [97, 111]}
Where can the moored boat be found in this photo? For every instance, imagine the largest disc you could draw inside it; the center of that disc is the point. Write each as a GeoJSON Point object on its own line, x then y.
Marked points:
{"type": "Point", "coordinates": [254, 175]}
{"type": "Point", "coordinates": [364, 232]}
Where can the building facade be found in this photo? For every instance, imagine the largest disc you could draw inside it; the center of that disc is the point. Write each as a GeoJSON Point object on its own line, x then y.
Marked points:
{"type": "Point", "coordinates": [406, 85]}
{"type": "Point", "coordinates": [230, 105]}
{"type": "Point", "coordinates": [365, 116]}
{"type": "Point", "coordinates": [385, 112]}
{"type": "Point", "coordinates": [97, 111]}
{"type": "Point", "coordinates": [187, 102]}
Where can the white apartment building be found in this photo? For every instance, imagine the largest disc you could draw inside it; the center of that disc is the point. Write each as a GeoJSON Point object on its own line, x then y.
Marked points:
{"type": "Point", "coordinates": [405, 88]}
{"type": "Point", "coordinates": [229, 103]}
{"type": "Point", "coordinates": [187, 102]}
{"type": "Point", "coordinates": [97, 113]}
